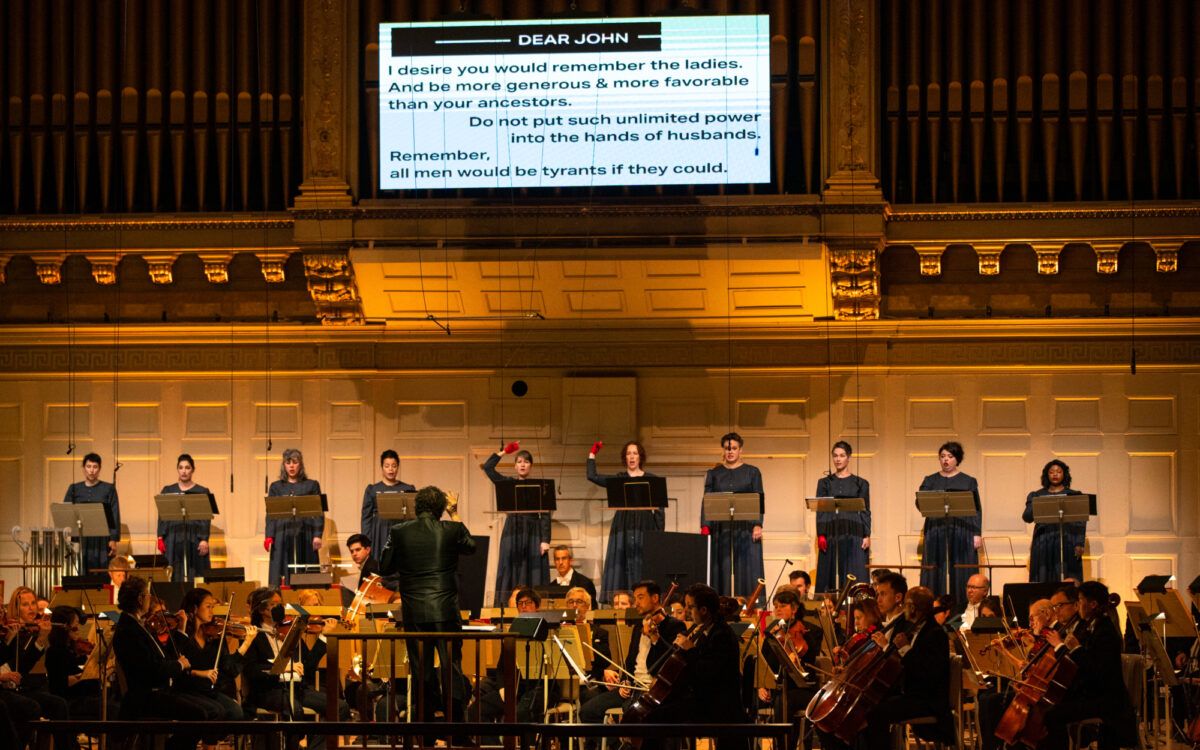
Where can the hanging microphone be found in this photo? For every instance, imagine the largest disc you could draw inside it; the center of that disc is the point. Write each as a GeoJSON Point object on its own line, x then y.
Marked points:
{"type": "Point", "coordinates": [70, 448]}
{"type": "Point", "coordinates": [117, 467]}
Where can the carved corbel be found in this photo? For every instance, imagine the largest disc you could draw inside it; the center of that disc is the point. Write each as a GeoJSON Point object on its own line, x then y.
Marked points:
{"type": "Point", "coordinates": [989, 257]}
{"type": "Point", "coordinates": [1166, 255]}
{"type": "Point", "coordinates": [1107, 256]}
{"type": "Point", "coordinates": [4, 259]}
{"type": "Point", "coordinates": [49, 267]}
{"type": "Point", "coordinates": [930, 258]}
{"type": "Point", "coordinates": [1047, 257]}
{"type": "Point", "coordinates": [272, 266]}
{"type": "Point", "coordinates": [330, 277]}
{"type": "Point", "coordinates": [216, 267]}
{"type": "Point", "coordinates": [161, 267]}
{"type": "Point", "coordinates": [104, 267]}
{"type": "Point", "coordinates": [854, 281]}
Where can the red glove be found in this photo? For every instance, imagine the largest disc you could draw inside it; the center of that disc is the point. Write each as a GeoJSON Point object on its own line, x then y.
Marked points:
{"type": "Point", "coordinates": [162, 546]}
{"type": "Point", "coordinates": [596, 446]}
{"type": "Point", "coordinates": [268, 542]}
{"type": "Point", "coordinates": [512, 447]}
{"type": "Point", "coordinates": [704, 530]}
{"type": "Point", "coordinates": [822, 543]}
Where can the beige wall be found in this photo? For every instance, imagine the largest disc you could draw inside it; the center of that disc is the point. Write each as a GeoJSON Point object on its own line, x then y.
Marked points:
{"type": "Point", "coordinates": [1131, 439]}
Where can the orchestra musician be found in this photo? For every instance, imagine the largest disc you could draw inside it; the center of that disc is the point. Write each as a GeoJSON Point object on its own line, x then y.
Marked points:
{"type": "Point", "coordinates": [525, 539]}
{"type": "Point", "coordinates": [565, 574]}
{"type": "Point", "coordinates": [802, 644]}
{"type": "Point", "coordinates": [842, 538]}
{"type": "Point", "coordinates": [1044, 551]}
{"type": "Point", "coordinates": [802, 582]}
{"type": "Point", "coordinates": [865, 620]}
{"type": "Point", "coordinates": [287, 693]}
{"type": "Point", "coordinates": [424, 553]}
{"type": "Point", "coordinates": [65, 661]}
{"type": "Point", "coordinates": [621, 600]}
{"type": "Point", "coordinates": [743, 538]}
{"type": "Point", "coordinates": [374, 527]}
{"type": "Point", "coordinates": [1098, 690]}
{"type": "Point", "coordinates": [24, 693]}
{"type": "Point", "coordinates": [960, 534]}
{"type": "Point", "coordinates": [200, 640]}
{"type": "Point", "coordinates": [649, 640]}
{"type": "Point", "coordinates": [292, 541]}
{"type": "Point", "coordinates": [360, 549]}
{"type": "Point", "coordinates": [95, 550]}
{"type": "Point", "coordinates": [708, 690]}
{"type": "Point", "coordinates": [596, 639]}
{"type": "Point", "coordinates": [923, 687]}
{"type": "Point", "coordinates": [627, 532]}
{"type": "Point", "coordinates": [150, 667]}
{"type": "Point", "coordinates": [185, 539]}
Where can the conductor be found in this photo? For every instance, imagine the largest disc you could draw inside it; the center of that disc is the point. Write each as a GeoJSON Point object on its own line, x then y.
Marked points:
{"type": "Point", "coordinates": [423, 553]}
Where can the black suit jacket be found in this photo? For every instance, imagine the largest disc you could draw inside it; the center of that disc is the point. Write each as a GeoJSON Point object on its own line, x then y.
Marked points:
{"type": "Point", "coordinates": [667, 630]}
{"type": "Point", "coordinates": [713, 685]}
{"type": "Point", "coordinates": [927, 666]}
{"type": "Point", "coordinates": [424, 554]}
{"type": "Point", "coordinates": [146, 666]}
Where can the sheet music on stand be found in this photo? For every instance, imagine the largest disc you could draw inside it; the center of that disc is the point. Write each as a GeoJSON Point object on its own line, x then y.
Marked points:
{"type": "Point", "coordinates": [636, 493]}
{"type": "Point", "coordinates": [396, 507]}
{"type": "Point", "coordinates": [799, 677]}
{"type": "Point", "coordinates": [525, 496]}
{"type": "Point", "coordinates": [184, 507]}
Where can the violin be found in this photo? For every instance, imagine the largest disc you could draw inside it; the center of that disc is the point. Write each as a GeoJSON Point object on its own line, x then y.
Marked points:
{"type": "Point", "coordinates": [650, 621]}
{"type": "Point", "coordinates": [212, 629]}
{"type": "Point", "coordinates": [792, 638]}
{"type": "Point", "coordinates": [160, 624]}
{"type": "Point", "coordinates": [311, 627]}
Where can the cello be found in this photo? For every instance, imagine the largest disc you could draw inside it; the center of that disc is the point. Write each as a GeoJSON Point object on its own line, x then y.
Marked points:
{"type": "Point", "coordinates": [1043, 683]}
{"type": "Point", "coordinates": [672, 671]}
{"type": "Point", "coordinates": [842, 705]}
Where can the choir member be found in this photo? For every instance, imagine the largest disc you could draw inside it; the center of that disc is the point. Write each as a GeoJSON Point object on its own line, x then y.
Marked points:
{"type": "Point", "coordinates": [740, 539]}
{"type": "Point", "coordinates": [95, 550]}
{"type": "Point", "coordinates": [842, 538]}
{"type": "Point", "coordinates": [184, 541]}
{"type": "Point", "coordinates": [627, 532]}
{"type": "Point", "coordinates": [960, 535]}
{"type": "Point", "coordinates": [292, 541]}
{"type": "Point", "coordinates": [526, 536]}
{"type": "Point", "coordinates": [1044, 557]}
{"type": "Point", "coordinates": [373, 526]}
{"type": "Point", "coordinates": [149, 669]}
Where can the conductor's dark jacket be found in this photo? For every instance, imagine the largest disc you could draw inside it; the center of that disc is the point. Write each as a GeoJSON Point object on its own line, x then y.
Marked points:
{"type": "Point", "coordinates": [423, 553]}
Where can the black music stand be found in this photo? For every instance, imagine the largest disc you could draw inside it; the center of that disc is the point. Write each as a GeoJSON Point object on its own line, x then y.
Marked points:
{"type": "Point", "coordinates": [636, 493]}
{"type": "Point", "coordinates": [1063, 509]}
{"type": "Point", "coordinates": [296, 507]}
{"type": "Point", "coordinates": [88, 519]}
{"type": "Point", "coordinates": [675, 556]}
{"type": "Point", "coordinates": [732, 506]}
{"type": "Point", "coordinates": [184, 506]}
{"type": "Point", "coordinates": [525, 496]}
{"type": "Point", "coordinates": [836, 505]}
{"type": "Point", "coordinates": [944, 506]}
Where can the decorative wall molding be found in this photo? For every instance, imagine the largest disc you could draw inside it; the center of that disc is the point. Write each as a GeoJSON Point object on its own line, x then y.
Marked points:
{"type": "Point", "coordinates": [330, 278]}
{"type": "Point", "coordinates": [104, 267]}
{"type": "Point", "coordinates": [854, 280]}
{"type": "Point", "coordinates": [1047, 251]}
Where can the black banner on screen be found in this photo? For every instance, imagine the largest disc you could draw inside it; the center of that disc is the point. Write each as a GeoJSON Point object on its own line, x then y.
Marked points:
{"type": "Point", "coordinates": [426, 41]}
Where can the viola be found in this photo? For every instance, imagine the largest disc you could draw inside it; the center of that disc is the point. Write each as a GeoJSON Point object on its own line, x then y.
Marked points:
{"type": "Point", "coordinates": [650, 621]}
{"type": "Point", "coordinates": [792, 638]}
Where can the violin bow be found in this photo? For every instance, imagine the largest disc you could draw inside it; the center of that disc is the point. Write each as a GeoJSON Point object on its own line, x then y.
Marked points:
{"type": "Point", "coordinates": [221, 642]}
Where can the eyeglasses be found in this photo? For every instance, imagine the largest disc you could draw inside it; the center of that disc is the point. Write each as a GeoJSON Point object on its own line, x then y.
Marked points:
{"type": "Point", "coordinates": [1055, 607]}
{"type": "Point", "coordinates": [576, 603]}
{"type": "Point", "coordinates": [976, 587]}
